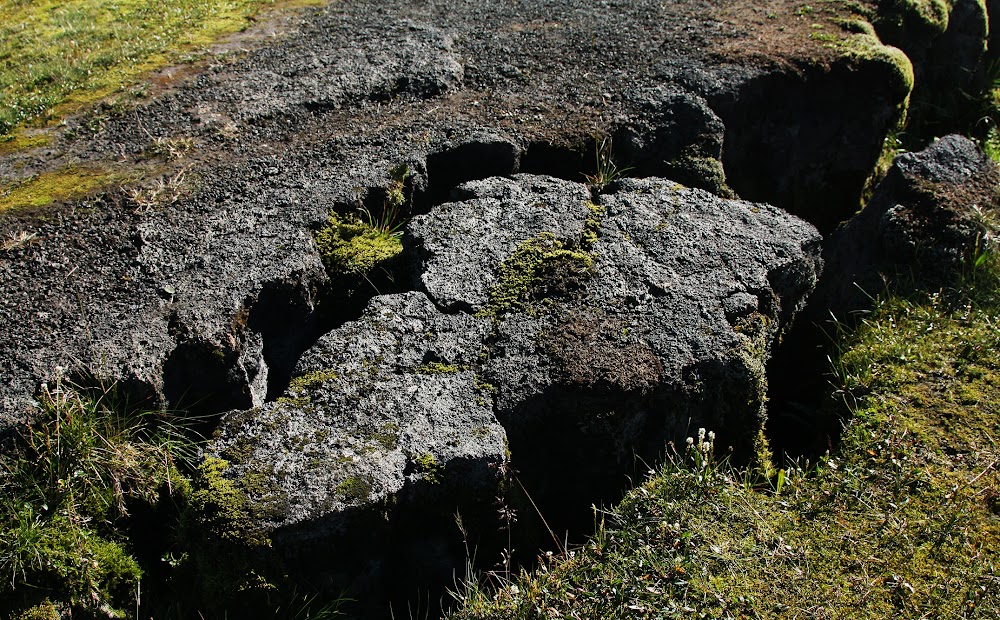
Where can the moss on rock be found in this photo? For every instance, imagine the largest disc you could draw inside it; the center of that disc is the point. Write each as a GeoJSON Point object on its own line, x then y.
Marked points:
{"type": "Point", "coordinates": [430, 467]}
{"type": "Point", "coordinates": [538, 268]}
{"type": "Point", "coordinates": [914, 19]}
{"type": "Point", "coordinates": [224, 506]}
{"type": "Point", "coordinates": [867, 47]}
{"type": "Point", "coordinates": [438, 368]}
{"type": "Point", "coordinates": [354, 489]}
{"type": "Point", "coordinates": [697, 170]}
{"type": "Point", "coordinates": [350, 247]}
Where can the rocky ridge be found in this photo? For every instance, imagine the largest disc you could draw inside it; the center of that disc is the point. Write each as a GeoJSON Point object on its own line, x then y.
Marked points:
{"type": "Point", "coordinates": [564, 333]}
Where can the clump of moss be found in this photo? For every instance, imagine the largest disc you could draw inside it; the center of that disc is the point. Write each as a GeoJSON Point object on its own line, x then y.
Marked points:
{"type": "Point", "coordinates": [695, 169]}
{"type": "Point", "coordinates": [46, 610]}
{"type": "Point", "coordinates": [354, 489]}
{"type": "Point", "coordinates": [396, 192]}
{"type": "Point", "coordinates": [430, 467]}
{"type": "Point", "coordinates": [437, 368]}
{"type": "Point", "coordinates": [592, 225]}
{"type": "Point", "coordinates": [22, 141]}
{"type": "Point", "coordinates": [223, 506]}
{"type": "Point", "coordinates": [539, 268]}
{"type": "Point", "coordinates": [350, 247]}
{"type": "Point", "coordinates": [387, 436]}
{"type": "Point", "coordinates": [299, 388]}
{"type": "Point", "coordinates": [67, 183]}
{"type": "Point", "coordinates": [906, 21]}
{"type": "Point", "coordinates": [867, 47]}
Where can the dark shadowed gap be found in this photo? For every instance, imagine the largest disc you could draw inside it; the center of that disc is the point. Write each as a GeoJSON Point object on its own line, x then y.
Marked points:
{"type": "Point", "coordinates": [471, 161]}
{"type": "Point", "coordinates": [778, 131]}
{"type": "Point", "coordinates": [804, 418]}
{"type": "Point", "coordinates": [568, 162]}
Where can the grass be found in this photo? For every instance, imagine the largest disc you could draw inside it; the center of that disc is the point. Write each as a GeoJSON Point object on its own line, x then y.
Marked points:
{"type": "Point", "coordinates": [607, 171]}
{"type": "Point", "coordinates": [103, 514]}
{"type": "Point", "coordinates": [66, 183]}
{"type": "Point", "coordinates": [67, 486]}
{"type": "Point", "coordinates": [903, 520]}
{"type": "Point", "coordinates": [57, 56]}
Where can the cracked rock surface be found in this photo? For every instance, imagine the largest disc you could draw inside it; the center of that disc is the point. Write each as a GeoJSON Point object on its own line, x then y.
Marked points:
{"type": "Point", "coordinates": [204, 298]}
{"type": "Point", "coordinates": [638, 314]}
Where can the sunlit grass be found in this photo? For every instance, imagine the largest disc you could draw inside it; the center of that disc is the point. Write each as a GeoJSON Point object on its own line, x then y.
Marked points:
{"type": "Point", "coordinates": [56, 55]}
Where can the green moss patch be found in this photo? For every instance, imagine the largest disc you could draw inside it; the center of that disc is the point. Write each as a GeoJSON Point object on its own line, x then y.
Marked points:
{"type": "Point", "coordinates": [354, 489]}
{"type": "Point", "coordinates": [539, 268]}
{"type": "Point", "coordinates": [916, 21]}
{"type": "Point", "coordinates": [430, 467]}
{"type": "Point", "coordinates": [22, 141]}
{"type": "Point", "coordinates": [350, 247]}
{"type": "Point", "coordinates": [866, 47]}
{"type": "Point", "coordinates": [66, 183]}
{"type": "Point", "coordinates": [438, 368]}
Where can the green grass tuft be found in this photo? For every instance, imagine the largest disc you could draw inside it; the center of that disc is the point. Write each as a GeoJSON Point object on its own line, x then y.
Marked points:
{"type": "Point", "coordinates": [67, 486]}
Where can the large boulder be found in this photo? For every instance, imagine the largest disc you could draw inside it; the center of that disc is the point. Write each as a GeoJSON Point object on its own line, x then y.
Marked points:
{"type": "Point", "coordinates": [384, 402]}
{"type": "Point", "coordinates": [646, 312]}
{"type": "Point", "coordinates": [384, 434]}
{"type": "Point", "coordinates": [577, 330]}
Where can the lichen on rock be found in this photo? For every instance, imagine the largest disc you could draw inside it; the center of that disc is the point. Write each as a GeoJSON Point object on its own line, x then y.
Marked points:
{"type": "Point", "coordinates": [538, 268]}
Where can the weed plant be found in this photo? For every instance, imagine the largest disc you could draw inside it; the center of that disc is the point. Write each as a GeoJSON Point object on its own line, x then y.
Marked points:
{"type": "Point", "coordinates": [607, 171]}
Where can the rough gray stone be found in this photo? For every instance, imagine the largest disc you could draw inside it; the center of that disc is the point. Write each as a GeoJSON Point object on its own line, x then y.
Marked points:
{"type": "Point", "coordinates": [381, 409]}
{"type": "Point", "coordinates": [461, 245]}
{"type": "Point", "coordinates": [925, 221]}
{"type": "Point", "coordinates": [681, 281]}
{"type": "Point", "coordinates": [578, 329]}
